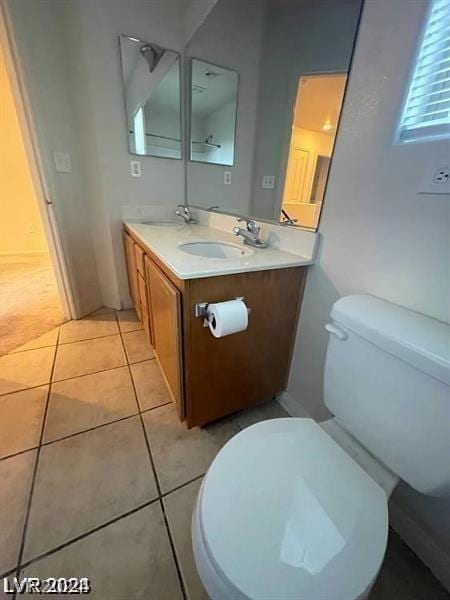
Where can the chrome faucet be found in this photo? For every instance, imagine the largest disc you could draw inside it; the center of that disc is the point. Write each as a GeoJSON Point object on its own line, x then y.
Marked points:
{"type": "Point", "coordinates": [250, 234]}
{"type": "Point", "coordinates": [184, 212]}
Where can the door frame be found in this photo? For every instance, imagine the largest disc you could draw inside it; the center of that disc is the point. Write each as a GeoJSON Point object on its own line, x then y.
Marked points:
{"type": "Point", "coordinates": [36, 165]}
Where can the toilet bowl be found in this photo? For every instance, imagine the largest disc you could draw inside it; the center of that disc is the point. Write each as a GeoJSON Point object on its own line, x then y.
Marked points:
{"type": "Point", "coordinates": [291, 509]}
{"type": "Point", "coordinates": [283, 512]}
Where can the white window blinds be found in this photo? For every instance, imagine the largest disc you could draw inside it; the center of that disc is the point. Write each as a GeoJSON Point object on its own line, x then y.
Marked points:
{"type": "Point", "coordinates": [427, 109]}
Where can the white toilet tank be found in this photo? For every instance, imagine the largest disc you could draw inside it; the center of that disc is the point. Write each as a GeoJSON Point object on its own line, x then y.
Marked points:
{"type": "Point", "coordinates": [387, 381]}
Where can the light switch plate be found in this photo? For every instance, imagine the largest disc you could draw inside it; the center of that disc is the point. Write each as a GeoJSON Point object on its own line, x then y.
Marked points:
{"type": "Point", "coordinates": [135, 167]}
{"type": "Point", "coordinates": [268, 182]}
{"type": "Point", "coordinates": [436, 178]}
{"type": "Point", "coordinates": [62, 162]}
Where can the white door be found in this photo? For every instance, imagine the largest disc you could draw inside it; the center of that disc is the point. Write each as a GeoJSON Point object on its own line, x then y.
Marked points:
{"type": "Point", "coordinates": [294, 191]}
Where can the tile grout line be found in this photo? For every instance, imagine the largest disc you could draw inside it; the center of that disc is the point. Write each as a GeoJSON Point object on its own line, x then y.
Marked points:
{"type": "Point", "coordinates": [86, 534]}
{"type": "Point", "coordinates": [155, 475]}
{"type": "Point", "coordinates": [70, 435]}
{"type": "Point", "coordinates": [36, 464]}
{"type": "Point", "coordinates": [33, 387]}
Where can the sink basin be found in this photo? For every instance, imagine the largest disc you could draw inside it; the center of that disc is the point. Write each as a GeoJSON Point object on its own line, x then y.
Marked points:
{"type": "Point", "coordinates": [215, 249]}
{"type": "Point", "coordinates": [164, 223]}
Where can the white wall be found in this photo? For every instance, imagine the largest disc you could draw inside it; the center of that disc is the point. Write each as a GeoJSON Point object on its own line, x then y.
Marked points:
{"type": "Point", "coordinates": [379, 235]}
{"type": "Point", "coordinates": [229, 39]}
{"type": "Point", "coordinates": [41, 40]}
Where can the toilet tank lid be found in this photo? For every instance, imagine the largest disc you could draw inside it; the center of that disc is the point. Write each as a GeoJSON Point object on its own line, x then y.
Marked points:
{"type": "Point", "coordinates": [421, 341]}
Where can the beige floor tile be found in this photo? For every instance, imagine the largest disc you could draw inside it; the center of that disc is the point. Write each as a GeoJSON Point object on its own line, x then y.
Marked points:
{"type": "Point", "coordinates": [150, 386]}
{"type": "Point", "coordinates": [131, 559]}
{"type": "Point", "coordinates": [180, 454]}
{"type": "Point", "coordinates": [81, 358]}
{"type": "Point", "coordinates": [48, 339]}
{"type": "Point", "coordinates": [128, 320]}
{"type": "Point", "coordinates": [21, 416]}
{"type": "Point", "coordinates": [25, 369]}
{"type": "Point", "coordinates": [137, 346]}
{"type": "Point", "coordinates": [88, 401]}
{"type": "Point", "coordinates": [86, 480]}
{"type": "Point", "coordinates": [15, 477]}
{"type": "Point", "coordinates": [179, 506]}
{"type": "Point", "coordinates": [93, 326]}
{"type": "Point", "coordinates": [262, 412]}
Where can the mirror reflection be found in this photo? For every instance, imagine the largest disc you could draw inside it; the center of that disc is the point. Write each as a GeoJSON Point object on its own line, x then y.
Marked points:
{"type": "Point", "coordinates": [293, 58]}
{"type": "Point", "coordinates": [213, 113]}
{"type": "Point", "coordinates": [151, 82]}
{"type": "Point", "coordinates": [316, 114]}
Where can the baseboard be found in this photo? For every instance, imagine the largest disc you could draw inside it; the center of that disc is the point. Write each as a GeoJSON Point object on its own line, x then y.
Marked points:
{"type": "Point", "coordinates": [407, 528]}
{"type": "Point", "coordinates": [420, 543]}
{"type": "Point", "coordinates": [291, 406]}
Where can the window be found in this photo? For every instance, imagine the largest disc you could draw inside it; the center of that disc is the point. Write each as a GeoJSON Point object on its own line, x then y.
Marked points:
{"type": "Point", "coordinates": [426, 114]}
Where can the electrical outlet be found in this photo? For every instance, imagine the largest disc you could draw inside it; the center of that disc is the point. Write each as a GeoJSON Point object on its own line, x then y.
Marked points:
{"type": "Point", "coordinates": [135, 166]}
{"type": "Point", "coordinates": [62, 162]}
{"type": "Point", "coordinates": [435, 180]}
{"type": "Point", "coordinates": [268, 182]}
{"type": "Point", "coordinates": [442, 175]}
{"type": "Point", "coordinates": [227, 177]}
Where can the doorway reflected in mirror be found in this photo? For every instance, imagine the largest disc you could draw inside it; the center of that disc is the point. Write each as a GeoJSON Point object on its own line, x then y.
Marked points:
{"type": "Point", "coordinates": [315, 118]}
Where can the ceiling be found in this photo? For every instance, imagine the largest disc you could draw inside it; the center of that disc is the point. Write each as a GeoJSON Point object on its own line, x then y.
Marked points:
{"type": "Point", "coordinates": [212, 87]}
{"type": "Point", "coordinates": [319, 100]}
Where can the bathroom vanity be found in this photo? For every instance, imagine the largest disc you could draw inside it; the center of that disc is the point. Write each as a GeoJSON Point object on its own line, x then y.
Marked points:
{"type": "Point", "coordinates": [170, 279]}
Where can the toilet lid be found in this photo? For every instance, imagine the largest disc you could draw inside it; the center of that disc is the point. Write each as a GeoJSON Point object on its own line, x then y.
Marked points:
{"type": "Point", "coordinates": [285, 513]}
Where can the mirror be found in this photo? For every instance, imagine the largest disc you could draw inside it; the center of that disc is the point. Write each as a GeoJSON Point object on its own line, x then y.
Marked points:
{"type": "Point", "coordinates": [293, 58]}
{"type": "Point", "coordinates": [151, 83]}
{"type": "Point", "coordinates": [213, 113]}
{"type": "Point", "coordinates": [315, 117]}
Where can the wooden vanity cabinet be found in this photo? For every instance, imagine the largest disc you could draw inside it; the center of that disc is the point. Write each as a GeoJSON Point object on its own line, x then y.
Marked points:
{"type": "Point", "coordinates": [132, 271]}
{"type": "Point", "coordinates": [135, 256]}
{"type": "Point", "coordinates": [165, 301]}
{"type": "Point", "coordinates": [210, 377]}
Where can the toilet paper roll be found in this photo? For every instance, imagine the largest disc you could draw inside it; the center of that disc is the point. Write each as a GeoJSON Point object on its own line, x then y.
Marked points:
{"type": "Point", "coordinates": [225, 318]}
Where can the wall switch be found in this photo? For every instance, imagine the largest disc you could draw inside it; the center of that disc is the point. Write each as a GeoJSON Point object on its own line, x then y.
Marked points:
{"type": "Point", "coordinates": [268, 182]}
{"type": "Point", "coordinates": [135, 166]}
{"type": "Point", "coordinates": [62, 162]}
{"type": "Point", "coordinates": [435, 179]}
{"type": "Point", "coordinates": [31, 228]}
{"type": "Point", "coordinates": [227, 177]}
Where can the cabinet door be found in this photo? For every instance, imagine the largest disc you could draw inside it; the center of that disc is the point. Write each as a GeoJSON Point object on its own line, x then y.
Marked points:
{"type": "Point", "coordinates": [165, 302]}
{"type": "Point", "coordinates": [132, 271]}
{"type": "Point", "coordinates": [143, 294]}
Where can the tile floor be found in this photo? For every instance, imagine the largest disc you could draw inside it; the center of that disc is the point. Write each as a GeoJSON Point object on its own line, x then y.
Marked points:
{"type": "Point", "coordinates": [99, 477]}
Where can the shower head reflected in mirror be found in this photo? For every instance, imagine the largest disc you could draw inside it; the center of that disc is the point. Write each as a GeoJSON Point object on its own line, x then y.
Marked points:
{"type": "Point", "coordinates": [152, 54]}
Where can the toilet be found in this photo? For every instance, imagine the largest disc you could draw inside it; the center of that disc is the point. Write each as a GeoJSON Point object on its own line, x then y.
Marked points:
{"type": "Point", "coordinates": [291, 509]}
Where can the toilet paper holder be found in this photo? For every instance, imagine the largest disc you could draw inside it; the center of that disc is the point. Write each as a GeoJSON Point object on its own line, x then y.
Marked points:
{"type": "Point", "coordinates": [201, 309]}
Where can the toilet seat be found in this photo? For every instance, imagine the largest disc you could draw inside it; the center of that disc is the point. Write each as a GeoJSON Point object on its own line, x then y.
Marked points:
{"type": "Point", "coordinates": [285, 513]}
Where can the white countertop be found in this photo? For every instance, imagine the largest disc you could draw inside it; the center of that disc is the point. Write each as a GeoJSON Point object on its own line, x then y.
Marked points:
{"type": "Point", "coordinates": [163, 241]}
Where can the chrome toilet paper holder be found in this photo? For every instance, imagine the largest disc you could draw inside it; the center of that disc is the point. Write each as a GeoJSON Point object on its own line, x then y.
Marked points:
{"type": "Point", "coordinates": [201, 309]}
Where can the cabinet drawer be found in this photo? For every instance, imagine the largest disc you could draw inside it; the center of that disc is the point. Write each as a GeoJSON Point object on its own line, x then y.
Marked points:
{"type": "Point", "coordinates": [139, 254]}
